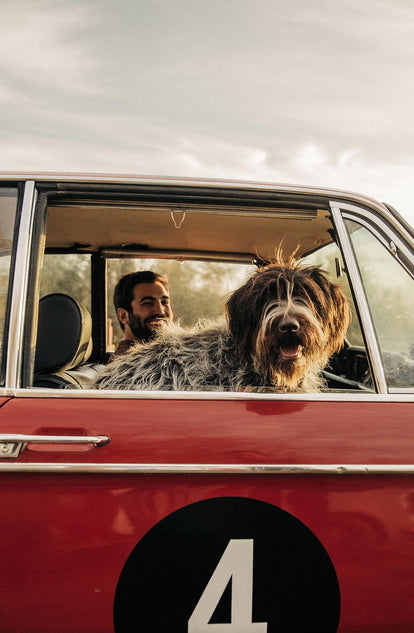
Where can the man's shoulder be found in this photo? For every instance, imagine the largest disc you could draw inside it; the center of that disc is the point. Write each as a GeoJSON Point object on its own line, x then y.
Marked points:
{"type": "Point", "coordinates": [123, 346]}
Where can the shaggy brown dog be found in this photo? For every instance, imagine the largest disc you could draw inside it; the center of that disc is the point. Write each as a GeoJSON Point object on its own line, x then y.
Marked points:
{"type": "Point", "coordinates": [287, 321]}
{"type": "Point", "coordinates": [283, 325]}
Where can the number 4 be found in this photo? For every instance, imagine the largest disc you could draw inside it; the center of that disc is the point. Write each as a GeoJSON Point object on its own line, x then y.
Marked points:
{"type": "Point", "coordinates": [237, 564]}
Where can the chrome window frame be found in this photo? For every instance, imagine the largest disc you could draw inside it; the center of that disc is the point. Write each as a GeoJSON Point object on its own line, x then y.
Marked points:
{"type": "Point", "coordinates": [4, 334]}
{"type": "Point", "coordinates": [19, 289]}
{"type": "Point", "coordinates": [328, 396]}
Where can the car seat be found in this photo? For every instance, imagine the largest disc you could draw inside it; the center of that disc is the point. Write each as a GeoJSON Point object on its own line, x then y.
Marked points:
{"type": "Point", "coordinates": [64, 344]}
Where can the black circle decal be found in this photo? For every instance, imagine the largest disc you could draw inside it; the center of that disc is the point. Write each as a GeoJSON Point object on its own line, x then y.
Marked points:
{"type": "Point", "coordinates": [228, 565]}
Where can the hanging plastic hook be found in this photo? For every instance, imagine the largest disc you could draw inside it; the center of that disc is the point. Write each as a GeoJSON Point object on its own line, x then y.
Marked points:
{"type": "Point", "coordinates": [178, 221]}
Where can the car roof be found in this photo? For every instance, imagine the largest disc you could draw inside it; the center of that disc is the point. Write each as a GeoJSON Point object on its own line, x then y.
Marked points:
{"type": "Point", "coordinates": [139, 179]}
{"type": "Point", "coordinates": [222, 219]}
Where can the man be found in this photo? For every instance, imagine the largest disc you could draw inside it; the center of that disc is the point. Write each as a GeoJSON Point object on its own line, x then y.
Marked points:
{"type": "Point", "coordinates": [142, 305]}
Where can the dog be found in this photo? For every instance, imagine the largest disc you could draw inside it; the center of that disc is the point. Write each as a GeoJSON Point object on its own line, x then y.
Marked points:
{"type": "Point", "coordinates": [282, 326]}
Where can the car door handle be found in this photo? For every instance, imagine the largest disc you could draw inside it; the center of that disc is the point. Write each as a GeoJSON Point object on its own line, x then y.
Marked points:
{"type": "Point", "coordinates": [11, 444]}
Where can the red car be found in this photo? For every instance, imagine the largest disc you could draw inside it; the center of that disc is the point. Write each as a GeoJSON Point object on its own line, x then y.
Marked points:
{"type": "Point", "coordinates": [200, 512]}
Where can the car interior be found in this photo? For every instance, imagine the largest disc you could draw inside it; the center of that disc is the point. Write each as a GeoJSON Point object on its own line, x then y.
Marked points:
{"type": "Point", "coordinates": [208, 240]}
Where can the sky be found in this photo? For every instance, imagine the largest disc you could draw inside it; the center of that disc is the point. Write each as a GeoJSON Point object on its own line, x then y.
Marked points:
{"type": "Point", "coordinates": [311, 92]}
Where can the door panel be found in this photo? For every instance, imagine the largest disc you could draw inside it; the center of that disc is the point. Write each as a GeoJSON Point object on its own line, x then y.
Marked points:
{"type": "Point", "coordinates": [80, 528]}
{"type": "Point", "coordinates": [218, 431]}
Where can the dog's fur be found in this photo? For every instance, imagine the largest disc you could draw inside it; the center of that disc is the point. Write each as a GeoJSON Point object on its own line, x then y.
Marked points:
{"type": "Point", "coordinates": [282, 326]}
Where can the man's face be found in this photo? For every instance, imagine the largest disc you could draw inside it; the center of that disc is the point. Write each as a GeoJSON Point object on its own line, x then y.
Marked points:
{"type": "Point", "coordinates": [151, 310]}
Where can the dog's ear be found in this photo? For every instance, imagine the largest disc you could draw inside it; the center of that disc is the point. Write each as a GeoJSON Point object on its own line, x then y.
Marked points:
{"type": "Point", "coordinates": [242, 317]}
{"type": "Point", "coordinates": [336, 311]}
{"type": "Point", "coordinates": [340, 317]}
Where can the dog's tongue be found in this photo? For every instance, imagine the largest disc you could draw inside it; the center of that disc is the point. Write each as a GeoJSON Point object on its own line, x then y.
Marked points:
{"type": "Point", "coordinates": [290, 351]}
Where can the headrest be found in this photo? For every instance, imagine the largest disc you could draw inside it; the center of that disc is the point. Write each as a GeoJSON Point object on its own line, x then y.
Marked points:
{"type": "Point", "coordinates": [63, 334]}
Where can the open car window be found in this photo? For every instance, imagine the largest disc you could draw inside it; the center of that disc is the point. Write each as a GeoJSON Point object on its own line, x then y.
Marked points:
{"type": "Point", "coordinates": [206, 251]}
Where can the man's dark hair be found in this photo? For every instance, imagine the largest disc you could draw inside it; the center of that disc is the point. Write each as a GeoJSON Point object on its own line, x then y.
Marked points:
{"type": "Point", "coordinates": [123, 293]}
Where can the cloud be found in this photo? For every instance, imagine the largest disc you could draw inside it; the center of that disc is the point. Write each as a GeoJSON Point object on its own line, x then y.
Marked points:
{"type": "Point", "coordinates": [353, 170]}
{"type": "Point", "coordinates": [310, 158]}
{"type": "Point", "coordinates": [43, 47]}
{"type": "Point", "coordinates": [315, 93]}
{"type": "Point", "coordinates": [105, 146]}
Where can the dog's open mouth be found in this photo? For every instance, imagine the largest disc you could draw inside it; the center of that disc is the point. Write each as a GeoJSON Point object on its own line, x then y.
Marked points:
{"type": "Point", "coordinates": [290, 351]}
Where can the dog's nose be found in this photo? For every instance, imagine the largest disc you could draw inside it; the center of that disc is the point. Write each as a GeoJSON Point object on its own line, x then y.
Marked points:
{"type": "Point", "coordinates": [289, 325]}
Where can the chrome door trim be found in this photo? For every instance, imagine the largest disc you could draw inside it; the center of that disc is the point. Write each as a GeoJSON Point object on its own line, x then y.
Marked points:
{"type": "Point", "coordinates": [325, 396]}
{"type": "Point", "coordinates": [213, 469]}
{"type": "Point", "coordinates": [361, 301]}
{"type": "Point", "coordinates": [19, 294]}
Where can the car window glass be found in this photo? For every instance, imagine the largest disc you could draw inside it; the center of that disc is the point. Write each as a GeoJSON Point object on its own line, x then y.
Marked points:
{"type": "Point", "coordinates": [390, 294]}
{"type": "Point", "coordinates": [8, 204]}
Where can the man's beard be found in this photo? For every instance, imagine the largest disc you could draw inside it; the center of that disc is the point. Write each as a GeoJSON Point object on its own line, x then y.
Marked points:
{"type": "Point", "coordinates": [140, 329]}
